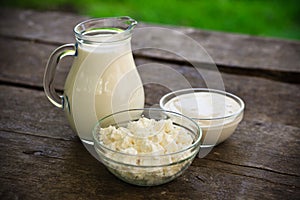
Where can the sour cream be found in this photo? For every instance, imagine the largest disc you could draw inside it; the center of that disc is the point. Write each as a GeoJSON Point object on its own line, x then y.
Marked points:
{"type": "Point", "coordinates": [218, 113]}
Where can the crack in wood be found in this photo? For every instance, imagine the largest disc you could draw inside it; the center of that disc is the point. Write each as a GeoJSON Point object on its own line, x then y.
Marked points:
{"type": "Point", "coordinates": [262, 179]}
{"type": "Point", "coordinates": [281, 76]}
{"type": "Point", "coordinates": [23, 85]}
{"type": "Point", "coordinates": [33, 152]}
{"type": "Point", "coordinates": [201, 179]}
{"type": "Point", "coordinates": [41, 153]}
{"type": "Point", "coordinates": [76, 139]}
{"type": "Point", "coordinates": [254, 167]}
{"type": "Point", "coordinates": [29, 39]}
{"type": "Point", "coordinates": [276, 75]}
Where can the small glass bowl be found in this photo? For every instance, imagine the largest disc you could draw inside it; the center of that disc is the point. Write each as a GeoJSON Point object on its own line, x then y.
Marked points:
{"type": "Point", "coordinates": [147, 169]}
{"type": "Point", "coordinates": [215, 129]}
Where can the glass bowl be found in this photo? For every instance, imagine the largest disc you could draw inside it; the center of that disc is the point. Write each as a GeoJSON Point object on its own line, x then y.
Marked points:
{"type": "Point", "coordinates": [218, 113]}
{"type": "Point", "coordinates": [147, 169]}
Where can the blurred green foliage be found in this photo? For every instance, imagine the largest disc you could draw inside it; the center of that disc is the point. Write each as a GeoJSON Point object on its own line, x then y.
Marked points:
{"type": "Point", "coordinates": [275, 18]}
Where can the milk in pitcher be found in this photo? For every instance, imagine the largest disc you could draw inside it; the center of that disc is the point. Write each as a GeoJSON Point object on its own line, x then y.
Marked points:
{"type": "Point", "coordinates": [102, 80]}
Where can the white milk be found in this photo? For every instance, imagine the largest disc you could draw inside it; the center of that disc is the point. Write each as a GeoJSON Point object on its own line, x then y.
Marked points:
{"type": "Point", "coordinates": [103, 80]}
{"type": "Point", "coordinates": [214, 112]}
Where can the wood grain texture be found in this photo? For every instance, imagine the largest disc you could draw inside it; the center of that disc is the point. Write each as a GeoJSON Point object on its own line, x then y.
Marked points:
{"type": "Point", "coordinates": [48, 27]}
{"type": "Point", "coordinates": [266, 100]}
{"type": "Point", "coordinates": [225, 49]}
{"type": "Point", "coordinates": [41, 157]}
{"type": "Point", "coordinates": [240, 54]}
{"type": "Point", "coordinates": [41, 167]}
{"type": "Point", "coordinates": [253, 155]}
{"type": "Point", "coordinates": [263, 102]}
{"type": "Point", "coordinates": [24, 62]}
{"type": "Point", "coordinates": [28, 111]}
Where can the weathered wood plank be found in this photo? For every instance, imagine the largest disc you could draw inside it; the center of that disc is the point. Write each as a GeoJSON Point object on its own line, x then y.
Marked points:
{"type": "Point", "coordinates": [270, 146]}
{"type": "Point", "coordinates": [254, 144]}
{"type": "Point", "coordinates": [41, 167]}
{"type": "Point", "coordinates": [266, 100]}
{"type": "Point", "coordinates": [24, 62]}
{"type": "Point", "coordinates": [29, 112]}
{"type": "Point", "coordinates": [50, 27]}
{"type": "Point", "coordinates": [42, 158]}
{"type": "Point", "coordinates": [263, 102]}
{"type": "Point", "coordinates": [233, 52]}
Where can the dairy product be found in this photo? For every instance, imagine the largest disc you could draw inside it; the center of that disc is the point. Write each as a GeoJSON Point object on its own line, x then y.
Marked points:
{"type": "Point", "coordinates": [146, 136]}
{"type": "Point", "coordinates": [217, 114]}
{"type": "Point", "coordinates": [103, 80]}
{"type": "Point", "coordinates": [146, 148]}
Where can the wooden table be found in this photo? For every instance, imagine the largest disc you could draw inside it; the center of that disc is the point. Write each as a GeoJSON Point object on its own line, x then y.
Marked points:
{"type": "Point", "coordinates": [41, 158]}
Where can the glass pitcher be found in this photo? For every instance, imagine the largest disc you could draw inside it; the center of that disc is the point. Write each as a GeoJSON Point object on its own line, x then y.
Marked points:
{"type": "Point", "coordinates": [103, 78]}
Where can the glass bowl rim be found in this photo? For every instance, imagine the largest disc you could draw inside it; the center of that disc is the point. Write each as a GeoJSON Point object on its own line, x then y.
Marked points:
{"type": "Point", "coordinates": [162, 102]}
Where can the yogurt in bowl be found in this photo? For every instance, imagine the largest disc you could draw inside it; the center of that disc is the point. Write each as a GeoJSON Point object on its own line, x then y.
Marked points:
{"type": "Point", "coordinates": [218, 113]}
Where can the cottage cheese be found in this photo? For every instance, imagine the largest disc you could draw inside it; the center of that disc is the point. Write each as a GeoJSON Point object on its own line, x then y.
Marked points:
{"type": "Point", "coordinates": [146, 143]}
{"type": "Point", "coordinates": [146, 137]}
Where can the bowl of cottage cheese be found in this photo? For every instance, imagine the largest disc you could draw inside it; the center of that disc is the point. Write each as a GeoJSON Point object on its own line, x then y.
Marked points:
{"type": "Point", "coordinates": [147, 147]}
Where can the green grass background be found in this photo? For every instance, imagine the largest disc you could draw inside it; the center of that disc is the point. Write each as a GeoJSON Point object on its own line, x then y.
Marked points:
{"type": "Point", "coordinates": [272, 18]}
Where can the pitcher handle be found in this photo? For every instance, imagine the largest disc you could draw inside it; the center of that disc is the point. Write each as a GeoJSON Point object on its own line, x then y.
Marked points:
{"type": "Point", "coordinates": [50, 71]}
